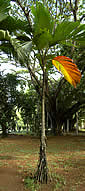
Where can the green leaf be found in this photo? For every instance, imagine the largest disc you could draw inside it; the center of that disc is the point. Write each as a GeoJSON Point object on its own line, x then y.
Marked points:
{"type": "Point", "coordinates": [42, 19]}
{"type": "Point", "coordinates": [12, 24]}
{"type": "Point", "coordinates": [80, 28]}
{"type": "Point", "coordinates": [22, 50]}
{"type": "Point", "coordinates": [7, 48]}
{"type": "Point", "coordinates": [42, 40]}
{"type": "Point", "coordinates": [64, 29]}
{"type": "Point", "coordinates": [4, 35]}
{"type": "Point", "coordinates": [67, 32]}
{"type": "Point", "coordinates": [43, 26]}
{"type": "Point", "coordinates": [4, 9]}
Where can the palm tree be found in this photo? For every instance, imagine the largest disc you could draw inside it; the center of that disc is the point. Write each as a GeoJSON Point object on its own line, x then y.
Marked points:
{"type": "Point", "coordinates": [40, 34]}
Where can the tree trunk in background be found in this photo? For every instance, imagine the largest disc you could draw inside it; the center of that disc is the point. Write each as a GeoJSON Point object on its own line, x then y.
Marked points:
{"type": "Point", "coordinates": [42, 171]}
{"type": "Point", "coordinates": [4, 133]}
{"type": "Point", "coordinates": [27, 126]}
{"type": "Point", "coordinates": [67, 126]}
{"type": "Point", "coordinates": [77, 123]}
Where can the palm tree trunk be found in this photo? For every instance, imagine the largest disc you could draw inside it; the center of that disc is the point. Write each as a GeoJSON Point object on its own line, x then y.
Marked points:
{"type": "Point", "coordinates": [42, 171]}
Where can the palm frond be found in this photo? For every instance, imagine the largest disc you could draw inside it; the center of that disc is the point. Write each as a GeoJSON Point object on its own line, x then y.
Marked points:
{"type": "Point", "coordinates": [22, 51]}
{"type": "Point", "coordinates": [4, 9]}
{"type": "Point", "coordinates": [4, 35]}
{"type": "Point", "coordinates": [19, 50]}
{"type": "Point", "coordinates": [42, 27]}
{"type": "Point", "coordinates": [12, 24]}
{"type": "Point", "coordinates": [63, 30]}
{"type": "Point", "coordinates": [42, 19]}
{"type": "Point", "coordinates": [7, 48]}
{"type": "Point", "coordinates": [66, 32]}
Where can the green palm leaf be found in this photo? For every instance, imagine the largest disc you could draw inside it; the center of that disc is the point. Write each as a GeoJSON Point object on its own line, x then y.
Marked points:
{"type": "Point", "coordinates": [63, 30]}
{"type": "Point", "coordinates": [20, 50]}
{"type": "Point", "coordinates": [42, 19]}
{"type": "Point", "coordinates": [4, 9]}
{"type": "Point", "coordinates": [4, 35]}
{"type": "Point", "coordinates": [7, 48]}
{"type": "Point", "coordinates": [67, 32]}
{"type": "Point", "coordinates": [42, 27]}
{"type": "Point", "coordinates": [12, 24]}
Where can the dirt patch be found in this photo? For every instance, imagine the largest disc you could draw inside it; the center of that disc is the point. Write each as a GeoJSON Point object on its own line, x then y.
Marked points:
{"type": "Point", "coordinates": [10, 180]}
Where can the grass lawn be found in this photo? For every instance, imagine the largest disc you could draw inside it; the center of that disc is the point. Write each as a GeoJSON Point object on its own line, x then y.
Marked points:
{"type": "Point", "coordinates": [65, 156]}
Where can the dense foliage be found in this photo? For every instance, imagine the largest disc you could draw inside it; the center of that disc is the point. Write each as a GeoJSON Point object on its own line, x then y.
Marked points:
{"type": "Point", "coordinates": [8, 97]}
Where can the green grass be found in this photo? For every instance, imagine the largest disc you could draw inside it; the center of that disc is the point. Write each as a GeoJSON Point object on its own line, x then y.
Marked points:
{"type": "Point", "coordinates": [60, 181]}
{"type": "Point", "coordinates": [30, 184]}
{"type": "Point", "coordinates": [1, 164]}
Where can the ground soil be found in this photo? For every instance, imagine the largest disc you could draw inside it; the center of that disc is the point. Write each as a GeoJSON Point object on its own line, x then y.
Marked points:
{"type": "Point", "coordinates": [66, 162]}
{"type": "Point", "coordinates": [10, 180]}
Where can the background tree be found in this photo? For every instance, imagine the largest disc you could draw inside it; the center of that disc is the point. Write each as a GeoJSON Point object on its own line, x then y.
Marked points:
{"type": "Point", "coordinates": [8, 96]}
{"type": "Point", "coordinates": [29, 104]}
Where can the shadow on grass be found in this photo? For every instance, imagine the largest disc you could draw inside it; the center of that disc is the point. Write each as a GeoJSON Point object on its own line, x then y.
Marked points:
{"type": "Point", "coordinates": [7, 158]}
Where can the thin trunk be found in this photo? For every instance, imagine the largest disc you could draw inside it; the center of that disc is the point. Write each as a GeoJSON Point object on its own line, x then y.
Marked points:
{"type": "Point", "coordinates": [77, 123]}
{"type": "Point", "coordinates": [74, 10]}
{"type": "Point", "coordinates": [42, 171]}
{"type": "Point", "coordinates": [67, 125]}
{"type": "Point", "coordinates": [60, 7]}
{"type": "Point", "coordinates": [27, 126]}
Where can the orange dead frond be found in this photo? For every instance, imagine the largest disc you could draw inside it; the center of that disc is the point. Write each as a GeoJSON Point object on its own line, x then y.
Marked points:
{"type": "Point", "coordinates": [68, 69]}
